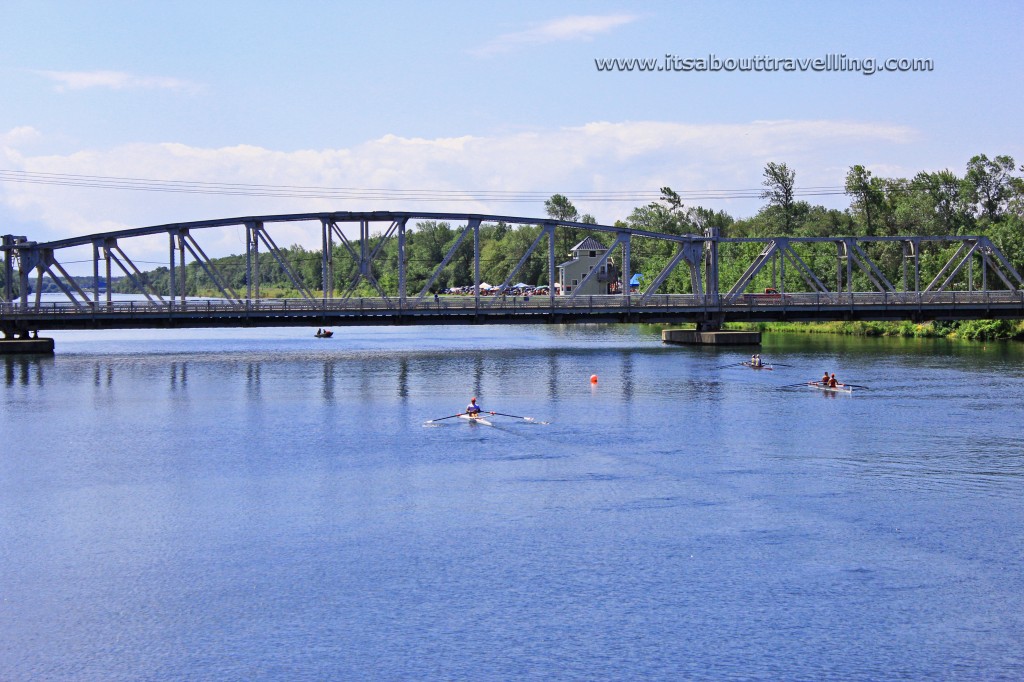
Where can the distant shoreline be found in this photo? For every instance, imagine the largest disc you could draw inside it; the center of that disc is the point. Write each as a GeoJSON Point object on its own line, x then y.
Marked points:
{"type": "Point", "coordinates": [974, 330]}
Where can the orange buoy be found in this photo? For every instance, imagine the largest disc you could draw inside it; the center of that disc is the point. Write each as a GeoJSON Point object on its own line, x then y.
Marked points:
{"type": "Point", "coordinates": [593, 378]}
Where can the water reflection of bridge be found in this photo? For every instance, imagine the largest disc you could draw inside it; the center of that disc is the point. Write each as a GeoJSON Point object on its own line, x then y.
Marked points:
{"type": "Point", "coordinates": [820, 278]}
{"type": "Point", "coordinates": [332, 377]}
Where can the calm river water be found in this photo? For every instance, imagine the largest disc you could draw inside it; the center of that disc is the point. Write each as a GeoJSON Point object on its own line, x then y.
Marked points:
{"type": "Point", "coordinates": [263, 505]}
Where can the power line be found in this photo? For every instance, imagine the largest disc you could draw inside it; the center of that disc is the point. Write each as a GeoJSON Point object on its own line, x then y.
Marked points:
{"type": "Point", "coordinates": [416, 195]}
{"type": "Point", "coordinates": [319, 192]}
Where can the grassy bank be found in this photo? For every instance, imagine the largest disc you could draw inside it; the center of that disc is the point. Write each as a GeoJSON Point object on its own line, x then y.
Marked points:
{"type": "Point", "coordinates": [973, 330]}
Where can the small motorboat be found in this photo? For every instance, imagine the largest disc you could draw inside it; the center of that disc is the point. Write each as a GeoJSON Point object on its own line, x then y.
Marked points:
{"type": "Point", "coordinates": [324, 333]}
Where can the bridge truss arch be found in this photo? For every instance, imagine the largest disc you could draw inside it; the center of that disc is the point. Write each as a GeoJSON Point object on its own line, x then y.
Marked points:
{"type": "Point", "coordinates": [39, 259]}
{"type": "Point", "coordinates": [766, 278]}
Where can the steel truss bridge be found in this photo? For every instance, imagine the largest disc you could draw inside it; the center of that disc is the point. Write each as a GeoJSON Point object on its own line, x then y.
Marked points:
{"type": "Point", "coordinates": [975, 282]}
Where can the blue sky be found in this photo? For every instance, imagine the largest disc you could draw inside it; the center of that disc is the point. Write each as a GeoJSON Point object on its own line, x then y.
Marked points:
{"type": "Point", "coordinates": [469, 96]}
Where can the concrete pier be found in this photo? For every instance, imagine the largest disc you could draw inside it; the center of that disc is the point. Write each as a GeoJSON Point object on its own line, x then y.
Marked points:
{"type": "Point", "coordinates": [715, 337]}
{"type": "Point", "coordinates": [36, 346]}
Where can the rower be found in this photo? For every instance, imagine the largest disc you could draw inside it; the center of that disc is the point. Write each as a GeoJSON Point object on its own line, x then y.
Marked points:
{"type": "Point", "coordinates": [473, 408]}
{"type": "Point", "coordinates": [824, 379]}
{"type": "Point", "coordinates": [832, 383]}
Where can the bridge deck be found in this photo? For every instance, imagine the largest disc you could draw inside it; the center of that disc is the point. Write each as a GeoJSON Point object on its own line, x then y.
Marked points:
{"type": "Point", "coordinates": [917, 306]}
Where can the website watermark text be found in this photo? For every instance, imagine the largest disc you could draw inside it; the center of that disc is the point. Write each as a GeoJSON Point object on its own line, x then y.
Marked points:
{"type": "Point", "coordinates": [832, 62]}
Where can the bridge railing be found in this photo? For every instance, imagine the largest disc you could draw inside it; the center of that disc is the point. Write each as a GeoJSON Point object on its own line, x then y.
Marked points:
{"type": "Point", "coordinates": [510, 305]}
{"type": "Point", "coordinates": [887, 298]}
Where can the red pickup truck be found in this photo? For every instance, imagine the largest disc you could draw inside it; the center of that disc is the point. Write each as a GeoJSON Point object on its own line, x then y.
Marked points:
{"type": "Point", "coordinates": [770, 295]}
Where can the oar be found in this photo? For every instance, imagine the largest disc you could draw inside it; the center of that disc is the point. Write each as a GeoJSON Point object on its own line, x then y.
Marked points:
{"type": "Point", "coordinates": [441, 419]}
{"type": "Point", "coordinates": [802, 383]}
{"type": "Point", "coordinates": [779, 364]}
{"type": "Point", "coordinates": [735, 364]}
{"type": "Point", "coordinates": [856, 386]}
{"type": "Point", "coordinates": [516, 416]}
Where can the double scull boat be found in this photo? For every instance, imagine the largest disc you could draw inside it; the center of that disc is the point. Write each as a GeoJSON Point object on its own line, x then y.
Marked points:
{"type": "Point", "coordinates": [841, 388]}
{"type": "Point", "coordinates": [763, 365]}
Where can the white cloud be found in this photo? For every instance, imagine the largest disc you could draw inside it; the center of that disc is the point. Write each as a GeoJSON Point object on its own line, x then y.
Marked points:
{"type": "Point", "coordinates": [556, 30]}
{"type": "Point", "coordinates": [19, 136]}
{"type": "Point", "coordinates": [595, 157]}
{"type": "Point", "coordinates": [113, 80]}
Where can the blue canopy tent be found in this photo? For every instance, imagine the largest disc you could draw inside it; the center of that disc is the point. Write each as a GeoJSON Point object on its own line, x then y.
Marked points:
{"type": "Point", "coordinates": [634, 281]}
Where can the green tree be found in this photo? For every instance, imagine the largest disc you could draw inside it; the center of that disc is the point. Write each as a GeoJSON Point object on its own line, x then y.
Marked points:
{"type": "Point", "coordinates": [991, 184]}
{"type": "Point", "coordinates": [780, 183]}
{"type": "Point", "coordinates": [868, 195]}
{"type": "Point", "coordinates": [560, 208]}
{"type": "Point", "coordinates": [426, 246]}
{"type": "Point", "coordinates": [948, 202]}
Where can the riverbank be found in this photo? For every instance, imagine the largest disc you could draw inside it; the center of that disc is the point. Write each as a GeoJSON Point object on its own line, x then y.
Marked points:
{"type": "Point", "coordinates": [973, 330]}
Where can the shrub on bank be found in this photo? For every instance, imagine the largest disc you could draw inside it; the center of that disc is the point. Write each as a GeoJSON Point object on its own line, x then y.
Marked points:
{"type": "Point", "coordinates": [969, 330]}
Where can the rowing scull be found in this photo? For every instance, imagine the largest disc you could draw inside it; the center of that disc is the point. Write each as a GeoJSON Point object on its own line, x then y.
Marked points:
{"type": "Point", "coordinates": [830, 389]}
{"type": "Point", "coordinates": [475, 419]}
{"type": "Point", "coordinates": [751, 365]}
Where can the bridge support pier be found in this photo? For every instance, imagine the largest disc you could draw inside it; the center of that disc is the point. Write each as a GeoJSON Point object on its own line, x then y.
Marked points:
{"type": "Point", "coordinates": [26, 345]}
{"type": "Point", "coordinates": [715, 336]}
{"type": "Point", "coordinates": [20, 341]}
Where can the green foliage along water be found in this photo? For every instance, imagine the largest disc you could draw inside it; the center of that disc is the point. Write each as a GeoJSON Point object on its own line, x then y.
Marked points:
{"type": "Point", "coordinates": [967, 330]}
{"type": "Point", "coordinates": [988, 200]}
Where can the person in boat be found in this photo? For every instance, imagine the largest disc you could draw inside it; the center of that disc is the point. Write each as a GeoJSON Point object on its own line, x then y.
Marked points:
{"type": "Point", "coordinates": [824, 379]}
{"type": "Point", "coordinates": [755, 361]}
{"type": "Point", "coordinates": [473, 409]}
{"type": "Point", "coordinates": [832, 383]}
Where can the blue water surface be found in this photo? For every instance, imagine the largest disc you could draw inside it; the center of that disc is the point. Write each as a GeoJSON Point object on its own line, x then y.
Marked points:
{"type": "Point", "coordinates": [264, 505]}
